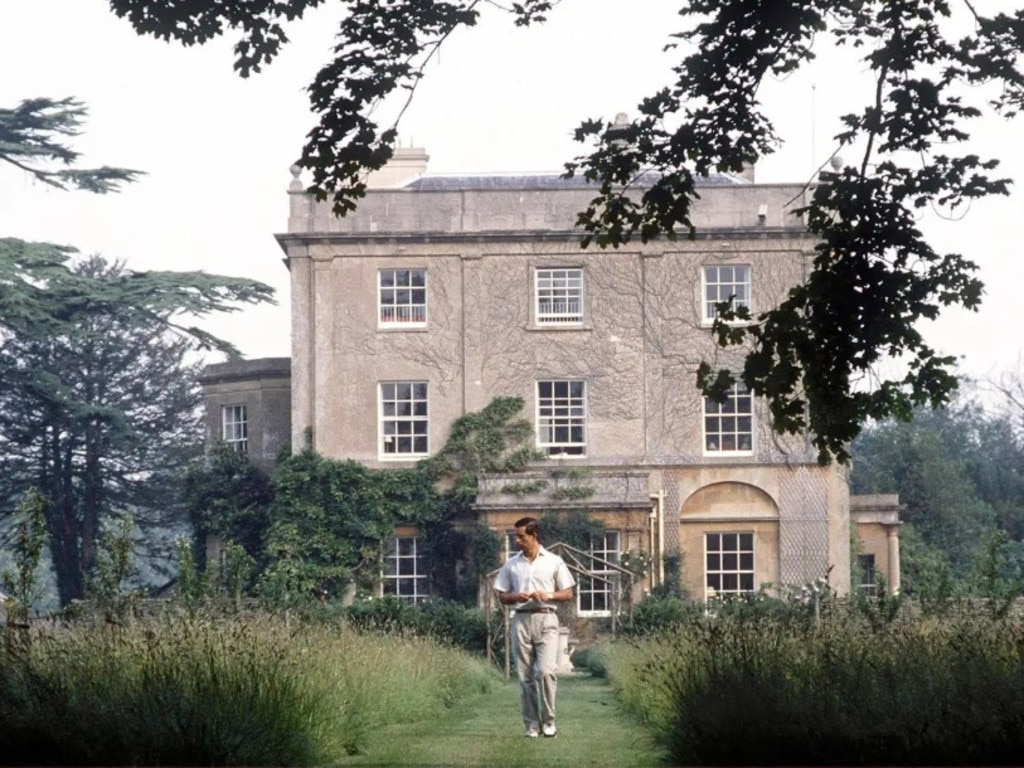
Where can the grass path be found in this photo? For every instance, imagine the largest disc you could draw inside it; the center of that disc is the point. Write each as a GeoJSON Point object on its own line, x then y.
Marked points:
{"type": "Point", "coordinates": [486, 730]}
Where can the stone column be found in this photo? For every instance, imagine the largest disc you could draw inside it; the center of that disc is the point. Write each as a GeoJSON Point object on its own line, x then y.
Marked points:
{"type": "Point", "coordinates": [894, 559]}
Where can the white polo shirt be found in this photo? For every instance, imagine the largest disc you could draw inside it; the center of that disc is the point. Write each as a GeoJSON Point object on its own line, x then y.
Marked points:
{"type": "Point", "coordinates": [547, 573]}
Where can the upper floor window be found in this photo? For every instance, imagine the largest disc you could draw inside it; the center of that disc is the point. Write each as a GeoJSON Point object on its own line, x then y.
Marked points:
{"type": "Point", "coordinates": [403, 297]}
{"type": "Point", "coordinates": [559, 294]}
{"type": "Point", "coordinates": [235, 427]}
{"type": "Point", "coordinates": [724, 283]}
{"type": "Point", "coordinates": [404, 423]}
{"type": "Point", "coordinates": [596, 591]}
{"type": "Point", "coordinates": [406, 574]}
{"type": "Point", "coordinates": [728, 563]}
{"type": "Point", "coordinates": [729, 425]}
{"type": "Point", "coordinates": [562, 418]}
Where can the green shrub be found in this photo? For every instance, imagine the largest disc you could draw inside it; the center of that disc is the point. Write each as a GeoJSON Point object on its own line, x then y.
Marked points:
{"type": "Point", "coordinates": [748, 687]}
{"type": "Point", "coordinates": [442, 620]}
{"type": "Point", "coordinates": [591, 659]}
{"type": "Point", "coordinates": [206, 692]}
{"type": "Point", "coordinates": [657, 612]}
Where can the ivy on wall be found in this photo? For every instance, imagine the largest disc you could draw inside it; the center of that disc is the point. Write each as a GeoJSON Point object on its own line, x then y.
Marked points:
{"type": "Point", "coordinates": [319, 526]}
{"type": "Point", "coordinates": [573, 527]}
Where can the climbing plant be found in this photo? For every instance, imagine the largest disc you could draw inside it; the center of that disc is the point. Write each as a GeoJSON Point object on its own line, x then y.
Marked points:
{"type": "Point", "coordinates": [574, 527]}
{"type": "Point", "coordinates": [319, 526]}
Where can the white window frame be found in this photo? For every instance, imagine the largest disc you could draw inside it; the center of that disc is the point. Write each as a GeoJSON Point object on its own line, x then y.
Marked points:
{"type": "Point", "coordinates": [867, 574]}
{"type": "Point", "coordinates": [234, 425]}
{"type": "Point", "coordinates": [560, 414]}
{"type": "Point", "coordinates": [724, 282]}
{"type": "Point", "coordinates": [510, 545]}
{"type": "Point", "coordinates": [723, 424]}
{"type": "Point", "coordinates": [595, 593]}
{"type": "Point", "coordinates": [403, 419]}
{"type": "Point", "coordinates": [406, 575]}
{"type": "Point", "coordinates": [402, 303]}
{"type": "Point", "coordinates": [558, 295]}
{"type": "Point", "coordinates": [729, 560]}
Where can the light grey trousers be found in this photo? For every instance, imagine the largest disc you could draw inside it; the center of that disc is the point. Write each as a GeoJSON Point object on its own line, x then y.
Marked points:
{"type": "Point", "coordinates": [536, 649]}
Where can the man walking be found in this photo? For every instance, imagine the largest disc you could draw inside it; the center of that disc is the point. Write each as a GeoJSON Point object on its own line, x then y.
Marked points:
{"type": "Point", "coordinates": [533, 580]}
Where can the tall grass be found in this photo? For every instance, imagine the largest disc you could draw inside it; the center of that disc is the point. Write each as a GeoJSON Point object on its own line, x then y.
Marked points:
{"type": "Point", "coordinates": [217, 692]}
{"type": "Point", "coordinates": [768, 690]}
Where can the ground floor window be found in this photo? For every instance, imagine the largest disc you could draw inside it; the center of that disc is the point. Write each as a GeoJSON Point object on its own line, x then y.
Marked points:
{"type": "Point", "coordinates": [406, 575]}
{"type": "Point", "coordinates": [595, 593]}
{"type": "Point", "coordinates": [510, 545]}
{"type": "Point", "coordinates": [728, 563]}
{"type": "Point", "coordinates": [866, 574]}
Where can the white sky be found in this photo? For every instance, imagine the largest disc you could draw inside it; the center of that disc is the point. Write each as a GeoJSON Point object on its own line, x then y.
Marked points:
{"type": "Point", "coordinates": [217, 148]}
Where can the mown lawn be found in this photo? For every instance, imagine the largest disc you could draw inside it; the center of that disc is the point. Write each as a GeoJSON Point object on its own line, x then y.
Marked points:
{"type": "Point", "coordinates": [485, 730]}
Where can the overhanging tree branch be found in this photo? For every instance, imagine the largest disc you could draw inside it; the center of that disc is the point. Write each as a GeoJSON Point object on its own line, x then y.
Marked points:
{"type": "Point", "coordinates": [30, 140]}
{"type": "Point", "coordinates": [873, 276]}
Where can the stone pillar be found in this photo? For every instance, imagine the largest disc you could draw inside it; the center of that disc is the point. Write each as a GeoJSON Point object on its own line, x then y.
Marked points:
{"type": "Point", "coordinates": [894, 560]}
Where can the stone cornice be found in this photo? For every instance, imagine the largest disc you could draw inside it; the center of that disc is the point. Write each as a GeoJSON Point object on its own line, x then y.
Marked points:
{"type": "Point", "coordinates": [745, 234]}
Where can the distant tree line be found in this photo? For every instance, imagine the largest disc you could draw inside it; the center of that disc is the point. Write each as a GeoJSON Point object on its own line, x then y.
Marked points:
{"type": "Point", "coordinates": [959, 472]}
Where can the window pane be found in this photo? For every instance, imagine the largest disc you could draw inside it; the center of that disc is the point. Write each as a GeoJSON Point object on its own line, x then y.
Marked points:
{"type": "Point", "coordinates": [732, 432]}
{"type": "Point", "coordinates": [723, 282]}
{"type": "Point", "coordinates": [729, 562]}
{"type": "Point", "coordinates": [404, 575]}
{"type": "Point", "coordinates": [561, 417]}
{"type": "Point", "coordinates": [594, 593]}
{"type": "Point", "coordinates": [404, 410]}
{"type": "Point", "coordinates": [402, 296]}
{"type": "Point", "coordinates": [559, 295]}
{"type": "Point", "coordinates": [235, 427]}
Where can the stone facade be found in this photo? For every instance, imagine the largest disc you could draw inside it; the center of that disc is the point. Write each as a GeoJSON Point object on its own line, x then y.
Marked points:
{"type": "Point", "coordinates": [877, 520]}
{"type": "Point", "coordinates": [483, 254]}
{"type": "Point", "coordinates": [261, 390]}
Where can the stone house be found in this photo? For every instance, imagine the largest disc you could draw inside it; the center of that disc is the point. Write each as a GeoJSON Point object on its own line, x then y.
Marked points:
{"type": "Point", "coordinates": [440, 293]}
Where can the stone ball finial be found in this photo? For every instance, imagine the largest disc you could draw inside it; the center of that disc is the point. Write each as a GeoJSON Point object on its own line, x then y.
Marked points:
{"type": "Point", "coordinates": [837, 163]}
{"type": "Point", "coordinates": [296, 183]}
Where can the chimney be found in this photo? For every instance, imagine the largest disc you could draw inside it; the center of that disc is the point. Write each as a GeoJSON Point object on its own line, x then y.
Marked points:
{"type": "Point", "coordinates": [406, 164]}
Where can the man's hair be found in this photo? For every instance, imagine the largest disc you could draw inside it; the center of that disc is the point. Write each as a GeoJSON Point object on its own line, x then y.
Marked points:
{"type": "Point", "coordinates": [530, 524]}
